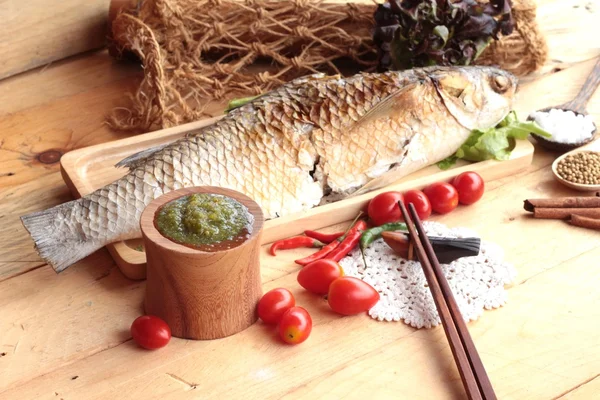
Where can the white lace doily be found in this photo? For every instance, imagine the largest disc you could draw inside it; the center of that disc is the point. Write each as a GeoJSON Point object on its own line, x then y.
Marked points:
{"type": "Point", "coordinates": [477, 282]}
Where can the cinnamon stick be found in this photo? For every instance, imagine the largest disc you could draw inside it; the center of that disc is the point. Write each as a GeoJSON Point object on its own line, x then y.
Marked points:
{"type": "Point", "coordinates": [585, 222]}
{"type": "Point", "coordinates": [565, 213]}
{"type": "Point", "coordinates": [563, 202]}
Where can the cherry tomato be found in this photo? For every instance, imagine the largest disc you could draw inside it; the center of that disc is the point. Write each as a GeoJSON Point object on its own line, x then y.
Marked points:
{"type": "Point", "coordinates": [295, 325]}
{"type": "Point", "coordinates": [150, 332]}
{"type": "Point", "coordinates": [442, 196]}
{"type": "Point", "coordinates": [274, 303]}
{"type": "Point", "coordinates": [383, 208]}
{"type": "Point", "coordinates": [470, 187]}
{"type": "Point", "coordinates": [318, 275]}
{"type": "Point", "coordinates": [420, 201]}
{"type": "Point", "coordinates": [365, 207]}
{"type": "Point", "coordinates": [349, 296]}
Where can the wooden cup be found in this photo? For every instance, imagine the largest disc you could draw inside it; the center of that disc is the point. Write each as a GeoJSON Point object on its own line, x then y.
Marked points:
{"type": "Point", "coordinates": [202, 295]}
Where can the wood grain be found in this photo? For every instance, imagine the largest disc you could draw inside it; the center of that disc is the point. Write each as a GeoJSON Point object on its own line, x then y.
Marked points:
{"type": "Point", "coordinates": [586, 390]}
{"type": "Point", "coordinates": [17, 254]}
{"type": "Point", "coordinates": [35, 33]}
{"type": "Point", "coordinates": [71, 122]}
{"type": "Point", "coordinates": [503, 217]}
{"type": "Point", "coordinates": [587, 90]}
{"type": "Point", "coordinates": [202, 295]}
{"type": "Point", "coordinates": [545, 343]}
{"type": "Point", "coordinates": [59, 108]}
{"type": "Point", "coordinates": [525, 350]}
{"type": "Point", "coordinates": [31, 338]}
{"type": "Point", "coordinates": [85, 72]}
{"type": "Point", "coordinates": [567, 25]}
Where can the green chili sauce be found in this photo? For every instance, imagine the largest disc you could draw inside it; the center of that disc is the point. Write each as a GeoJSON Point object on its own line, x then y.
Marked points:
{"type": "Point", "coordinates": [207, 222]}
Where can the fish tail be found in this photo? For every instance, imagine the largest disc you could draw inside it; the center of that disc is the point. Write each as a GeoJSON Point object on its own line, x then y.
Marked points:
{"type": "Point", "coordinates": [58, 241]}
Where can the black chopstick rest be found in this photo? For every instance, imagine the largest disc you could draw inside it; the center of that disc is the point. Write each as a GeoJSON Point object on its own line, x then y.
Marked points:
{"type": "Point", "coordinates": [451, 249]}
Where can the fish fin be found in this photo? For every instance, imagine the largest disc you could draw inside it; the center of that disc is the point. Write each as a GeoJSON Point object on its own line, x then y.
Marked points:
{"type": "Point", "coordinates": [57, 248]}
{"type": "Point", "coordinates": [389, 104]}
{"type": "Point", "coordinates": [134, 160]}
{"type": "Point", "coordinates": [396, 102]}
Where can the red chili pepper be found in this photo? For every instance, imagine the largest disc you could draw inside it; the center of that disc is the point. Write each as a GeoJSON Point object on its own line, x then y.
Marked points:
{"type": "Point", "coordinates": [319, 254]}
{"type": "Point", "coordinates": [324, 237]}
{"type": "Point", "coordinates": [331, 246]}
{"type": "Point", "coordinates": [294, 243]}
{"type": "Point", "coordinates": [349, 242]}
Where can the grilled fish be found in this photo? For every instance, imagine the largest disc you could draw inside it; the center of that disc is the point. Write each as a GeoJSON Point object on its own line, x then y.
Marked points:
{"type": "Point", "coordinates": [316, 138]}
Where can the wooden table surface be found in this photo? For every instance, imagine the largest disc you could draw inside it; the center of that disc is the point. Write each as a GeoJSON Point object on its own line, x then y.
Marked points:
{"type": "Point", "coordinates": [67, 336]}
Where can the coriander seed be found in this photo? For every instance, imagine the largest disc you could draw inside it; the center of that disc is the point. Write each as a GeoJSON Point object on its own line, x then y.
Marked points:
{"type": "Point", "coordinates": [581, 167]}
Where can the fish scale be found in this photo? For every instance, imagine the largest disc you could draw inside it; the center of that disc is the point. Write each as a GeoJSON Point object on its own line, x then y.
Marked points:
{"type": "Point", "coordinates": [313, 140]}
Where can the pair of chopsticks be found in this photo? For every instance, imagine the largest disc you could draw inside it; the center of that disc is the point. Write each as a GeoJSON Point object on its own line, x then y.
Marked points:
{"type": "Point", "coordinates": [471, 369]}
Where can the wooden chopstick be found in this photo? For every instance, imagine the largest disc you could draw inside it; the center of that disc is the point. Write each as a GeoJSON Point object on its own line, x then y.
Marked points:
{"type": "Point", "coordinates": [483, 381]}
{"type": "Point", "coordinates": [471, 369]}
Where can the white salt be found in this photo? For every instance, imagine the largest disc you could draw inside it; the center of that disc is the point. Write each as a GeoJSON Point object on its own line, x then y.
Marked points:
{"type": "Point", "coordinates": [565, 126]}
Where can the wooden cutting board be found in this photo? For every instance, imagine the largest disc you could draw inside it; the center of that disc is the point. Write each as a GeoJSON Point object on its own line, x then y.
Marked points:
{"type": "Point", "coordinates": [87, 169]}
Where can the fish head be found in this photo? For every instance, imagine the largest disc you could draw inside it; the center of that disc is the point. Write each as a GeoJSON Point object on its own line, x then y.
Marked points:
{"type": "Point", "coordinates": [477, 97]}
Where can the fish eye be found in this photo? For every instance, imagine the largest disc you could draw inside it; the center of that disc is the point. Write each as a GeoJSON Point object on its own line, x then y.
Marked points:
{"type": "Point", "coordinates": [500, 83]}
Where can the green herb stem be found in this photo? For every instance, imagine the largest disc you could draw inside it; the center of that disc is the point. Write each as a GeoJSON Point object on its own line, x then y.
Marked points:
{"type": "Point", "coordinates": [237, 103]}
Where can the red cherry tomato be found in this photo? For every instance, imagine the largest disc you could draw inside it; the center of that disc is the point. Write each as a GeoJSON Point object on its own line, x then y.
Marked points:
{"type": "Point", "coordinates": [470, 187]}
{"type": "Point", "coordinates": [420, 201]}
{"type": "Point", "coordinates": [150, 332]}
{"type": "Point", "coordinates": [349, 296]}
{"type": "Point", "coordinates": [274, 303]}
{"type": "Point", "coordinates": [318, 275]}
{"type": "Point", "coordinates": [365, 207]}
{"type": "Point", "coordinates": [442, 196]}
{"type": "Point", "coordinates": [295, 325]}
{"type": "Point", "coordinates": [383, 208]}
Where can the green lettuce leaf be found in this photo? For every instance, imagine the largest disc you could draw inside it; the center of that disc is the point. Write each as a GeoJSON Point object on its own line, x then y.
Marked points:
{"type": "Point", "coordinates": [447, 163]}
{"type": "Point", "coordinates": [494, 143]}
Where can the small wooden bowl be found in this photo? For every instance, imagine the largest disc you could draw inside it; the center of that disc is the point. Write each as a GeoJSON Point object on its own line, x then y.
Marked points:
{"type": "Point", "coordinates": [202, 295]}
{"type": "Point", "coordinates": [557, 146]}
{"type": "Point", "coordinates": [577, 186]}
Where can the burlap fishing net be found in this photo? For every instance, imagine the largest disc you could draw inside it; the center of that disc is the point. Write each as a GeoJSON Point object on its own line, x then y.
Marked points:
{"type": "Point", "coordinates": [196, 51]}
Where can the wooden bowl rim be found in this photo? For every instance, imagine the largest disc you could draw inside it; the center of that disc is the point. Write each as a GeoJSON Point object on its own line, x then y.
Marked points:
{"type": "Point", "coordinates": [573, 185]}
{"type": "Point", "coordinates": [152, 234]}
